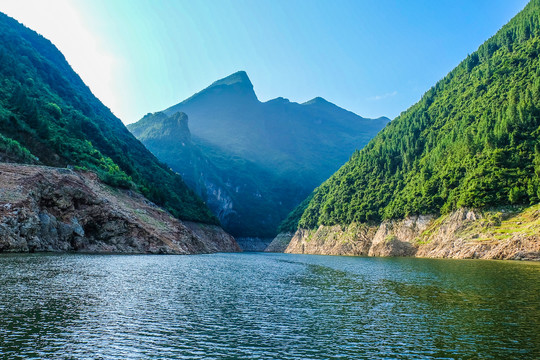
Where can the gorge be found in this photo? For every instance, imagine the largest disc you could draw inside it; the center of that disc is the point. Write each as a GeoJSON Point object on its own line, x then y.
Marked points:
{"type": "Point", "coordinates": [432, 219]}
{"type": "Point", "coordinates": [251, 161]}
{"type": "Point", "coordinates": [469, 146]}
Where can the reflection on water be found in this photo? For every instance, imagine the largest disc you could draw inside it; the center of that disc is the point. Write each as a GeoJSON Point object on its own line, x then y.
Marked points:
{"type": "Point", "coordinates": [266, 306]}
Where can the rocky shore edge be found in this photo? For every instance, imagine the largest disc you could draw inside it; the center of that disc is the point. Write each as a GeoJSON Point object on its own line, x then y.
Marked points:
{"type": "Point", "coordinates": [508, 233]}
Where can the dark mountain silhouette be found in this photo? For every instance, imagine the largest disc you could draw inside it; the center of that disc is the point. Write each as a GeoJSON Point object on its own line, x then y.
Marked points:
{"type": "Point", "coordinates": [253, 161]}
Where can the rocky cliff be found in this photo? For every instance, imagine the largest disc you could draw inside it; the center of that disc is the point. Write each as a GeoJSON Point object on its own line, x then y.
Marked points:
{"type": "Point", "coordinates": [52, 209]}
{"type": "Point", "coordinates": [280, 242]}
{"type": "Point", "coordinates": [509, 233]}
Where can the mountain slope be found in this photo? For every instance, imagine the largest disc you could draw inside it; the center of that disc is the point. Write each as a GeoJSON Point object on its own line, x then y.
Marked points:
{"type": "Point", "coordinates": [251, 161]}
{"type": "Point", "coordinates": [278, 134]}
{"type": "Point", "coordinates": [49, 116]}
{"type": "Point", "coordinates": [56, 209]}
{"type": "Point", "coordinates": [472, 141]}
{"type": "Point", "coordinates": [248, 199]}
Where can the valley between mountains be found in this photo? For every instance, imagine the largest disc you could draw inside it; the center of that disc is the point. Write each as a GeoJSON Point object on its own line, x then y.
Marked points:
{"type": "Point", "coordinates": [457, 175]}
{"type": "Point", "coordinates": [253, 162]}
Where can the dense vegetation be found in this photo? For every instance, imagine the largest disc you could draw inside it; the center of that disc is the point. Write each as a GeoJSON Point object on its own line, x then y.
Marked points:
{"type": "Point", "coordinates": [253, 162]}
{"type": "Point", "coordinates": [12, 151]}
{"type": "Point", "coordinates": [471, 141]}
{"type": "Point", "coordinates": [49, 116]}
{"type": "Point", "coordinates": [290, 224]}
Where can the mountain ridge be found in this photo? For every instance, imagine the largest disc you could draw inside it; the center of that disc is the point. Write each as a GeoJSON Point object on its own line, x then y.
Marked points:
{"type": "Point", "coordinates": [267, 143]}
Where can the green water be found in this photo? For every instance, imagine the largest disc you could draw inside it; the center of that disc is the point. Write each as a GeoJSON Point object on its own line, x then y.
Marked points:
{"type": "Point", "coordinates": [266, 306]}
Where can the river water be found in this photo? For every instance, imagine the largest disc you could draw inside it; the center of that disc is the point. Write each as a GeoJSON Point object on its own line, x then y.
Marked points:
{"type": "Point", "coordinates": [266, 306]}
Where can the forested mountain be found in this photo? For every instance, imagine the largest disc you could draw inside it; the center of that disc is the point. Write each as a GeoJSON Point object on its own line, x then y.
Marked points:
{"type": "Point", "coordinates": [252, 161]}
{"type": "Point", "coordinates": [471, 141]}
{"type": "Point", "coordinates": [49, 116]}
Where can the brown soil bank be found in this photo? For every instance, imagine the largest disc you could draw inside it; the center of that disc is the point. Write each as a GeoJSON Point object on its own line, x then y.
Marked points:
{"type": "Point", "coordinates": [51, 209]}
{"type": "Point", "coordinates": [510, 233]}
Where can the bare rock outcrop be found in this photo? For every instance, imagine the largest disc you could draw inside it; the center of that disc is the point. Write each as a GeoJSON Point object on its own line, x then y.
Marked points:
{"type": "Point", "coordinates": [354, 239]}
{"type": "Point", "coordinates": [280, 242]}
{"type": "Point", "coordinates": [474, 234]}
{"type": "Point", "coordinates": [510, 233]}
{"type": "Point", "coordinates": [393, 238]}
{"type": "Point", "coordinates": [51, 209]}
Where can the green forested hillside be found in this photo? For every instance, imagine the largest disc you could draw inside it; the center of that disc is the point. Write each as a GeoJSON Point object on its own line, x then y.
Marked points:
{"type": "Point", "coordinates": [49, 116]}
{"type": "Point", "coordinates": [471, 141]}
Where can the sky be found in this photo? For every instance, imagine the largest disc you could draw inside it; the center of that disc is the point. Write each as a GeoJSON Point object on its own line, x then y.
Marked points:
{"type": "Point", "coordinates": [375, 58]}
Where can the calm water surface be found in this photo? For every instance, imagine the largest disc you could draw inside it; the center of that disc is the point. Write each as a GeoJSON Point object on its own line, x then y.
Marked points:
{"type": "Point", "coordinates": [266, 306]}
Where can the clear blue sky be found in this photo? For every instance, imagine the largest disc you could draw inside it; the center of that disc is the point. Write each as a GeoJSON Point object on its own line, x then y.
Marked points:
{"type": "Point", "coordinates": [371, 57]}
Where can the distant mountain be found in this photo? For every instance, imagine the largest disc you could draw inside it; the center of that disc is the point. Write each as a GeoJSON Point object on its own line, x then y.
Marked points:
{"type": "Point", "coordinates": [49, 116]}
{"type": "Point", "coordinates": [248, 199]}
{"type": "Point", "coordinates": [282, 136]}
{"type": "Point", "coordinates": [253, 161]}
{"type": "Point", "coordinates": [472, 141]}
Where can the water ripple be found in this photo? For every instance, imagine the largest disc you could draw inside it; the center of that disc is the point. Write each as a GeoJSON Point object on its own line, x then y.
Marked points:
{"type": "Point", "coordinates": [266, 306]}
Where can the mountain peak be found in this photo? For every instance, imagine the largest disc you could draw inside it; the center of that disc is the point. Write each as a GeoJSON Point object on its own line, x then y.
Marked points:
{"type": "Point", "coordinates": [239, 77]}
{"type": "Point", "coordinates": [279, 100]}
{"type": "Point", "coordinates": [321, 103]}
{"type": "Point", "coordinates": [317, 100]}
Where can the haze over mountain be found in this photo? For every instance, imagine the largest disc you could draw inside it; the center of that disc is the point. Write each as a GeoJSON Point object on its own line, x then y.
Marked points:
{"type": "Point", "coordinates": [278, 134]}
{"type": "Point", "coordinates": [253, 161]}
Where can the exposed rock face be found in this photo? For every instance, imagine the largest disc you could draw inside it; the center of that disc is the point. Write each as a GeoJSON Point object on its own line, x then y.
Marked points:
{"type": "Point", "coordinates": [509, 234]}
{"type": "Point", "coordinates": [214, 237]}
{"type": "Point", "coordinates": [503, 235]}
{"type": "Point", "coordinates": [393, 237]}
{"type": "Point", "coordinates": [219, 201]}
{"type": "Point", "coordinates": [333, 240]}
{"type": "Point", "coordinates": [50, 209]}
{"type": "Point", "coordinates": [280, 243]}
